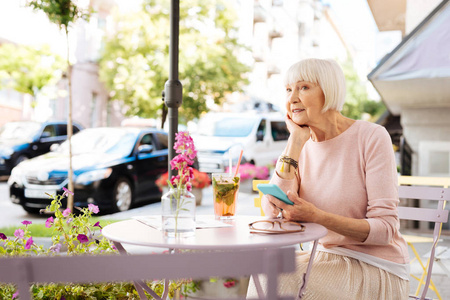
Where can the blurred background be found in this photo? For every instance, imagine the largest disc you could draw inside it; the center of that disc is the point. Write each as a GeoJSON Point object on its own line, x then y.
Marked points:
{"type": "Point", "coordinates": [233, 55]}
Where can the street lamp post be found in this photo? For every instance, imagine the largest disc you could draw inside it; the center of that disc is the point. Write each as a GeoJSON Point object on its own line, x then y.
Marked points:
{"type": "Point", "coordinates": [173, 89]}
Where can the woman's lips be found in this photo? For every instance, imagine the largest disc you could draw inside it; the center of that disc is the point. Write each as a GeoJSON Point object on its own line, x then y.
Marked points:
{"type": "Point", "coordinates": [297, 110]}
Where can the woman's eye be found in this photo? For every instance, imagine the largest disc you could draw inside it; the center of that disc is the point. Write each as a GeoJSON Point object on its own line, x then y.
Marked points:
{"type": "Point", "coordinates": [288, 90]}
{"type": "Point", "coordinates": [303, 88]}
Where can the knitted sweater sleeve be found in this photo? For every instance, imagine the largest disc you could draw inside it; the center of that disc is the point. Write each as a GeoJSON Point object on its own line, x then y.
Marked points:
{"type": "Point", "coordinates": [382, 188]}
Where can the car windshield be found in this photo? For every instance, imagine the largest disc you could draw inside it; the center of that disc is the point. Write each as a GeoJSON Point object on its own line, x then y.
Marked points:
{"type": "Point", "coordinates": [19, 130]}
{"type": "Point", "coordinates": [227, 127]}
{"type": "Point", "coordinates": [104, 140]}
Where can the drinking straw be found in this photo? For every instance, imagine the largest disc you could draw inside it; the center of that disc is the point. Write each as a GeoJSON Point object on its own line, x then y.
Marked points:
{"type": "Point", "coordinates": [239, 163]}
{"type": "Point", "coordinates": [230, 163]}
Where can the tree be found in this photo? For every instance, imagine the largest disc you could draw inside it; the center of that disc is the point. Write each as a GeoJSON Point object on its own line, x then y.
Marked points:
{"type": "Point", "coordinates": [135, 62]}
{"type": "Point", "coordinates": [64, 13]}
{"type": "Point", "coordinates": [357, 101]}
{"type": "Point", "coordinates": [28, 70]}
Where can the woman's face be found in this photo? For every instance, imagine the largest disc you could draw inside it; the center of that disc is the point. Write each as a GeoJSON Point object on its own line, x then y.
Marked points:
{"type": "Point", "coordinates": [304, 102]}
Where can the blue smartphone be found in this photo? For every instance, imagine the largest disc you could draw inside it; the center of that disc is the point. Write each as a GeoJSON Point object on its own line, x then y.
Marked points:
{"type": "Point", "coordinates": [274, 190]}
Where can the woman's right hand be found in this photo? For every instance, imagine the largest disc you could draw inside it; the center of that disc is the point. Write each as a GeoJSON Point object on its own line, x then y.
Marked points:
{"type": "Point", "coordinates": [297, 131]}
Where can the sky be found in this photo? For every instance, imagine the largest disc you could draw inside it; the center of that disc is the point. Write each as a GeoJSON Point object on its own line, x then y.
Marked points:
{"type": "Point", "coordinates": [352, 16]}
{"type": "Point", "coordinates": [355, 20]}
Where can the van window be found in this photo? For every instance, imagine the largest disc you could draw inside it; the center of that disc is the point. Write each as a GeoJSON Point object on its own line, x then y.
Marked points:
{"type": "Point", "coordinates": [236, 127]}
{"type": "Point", "coordinates": [279, 131]}
{"type": "Point", "coordinates": [261, 132]}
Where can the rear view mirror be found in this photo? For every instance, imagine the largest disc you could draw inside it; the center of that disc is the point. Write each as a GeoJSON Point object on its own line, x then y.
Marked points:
{"type": "Point", "coordinates": [54, 147]}
{"type": "Point", "coordinates": [145, 149]}
{"type": "Point", "coordinates": [45, 135]}
{"type": "Point", "coordinates": [260, 136]}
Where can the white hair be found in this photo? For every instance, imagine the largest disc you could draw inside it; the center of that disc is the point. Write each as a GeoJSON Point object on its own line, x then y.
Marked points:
{"type": "Point", "coordinates": [324, 72]}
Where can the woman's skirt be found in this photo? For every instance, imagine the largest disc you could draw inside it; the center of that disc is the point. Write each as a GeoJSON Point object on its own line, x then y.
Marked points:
{"type": "Point", "coordinates": [338, 277]}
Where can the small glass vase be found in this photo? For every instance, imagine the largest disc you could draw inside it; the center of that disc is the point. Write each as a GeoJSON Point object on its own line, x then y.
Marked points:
{"type": "Point", "coordinates": [178, 213]}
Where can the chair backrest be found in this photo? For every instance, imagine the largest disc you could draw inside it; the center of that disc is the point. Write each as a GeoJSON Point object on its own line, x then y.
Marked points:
{"type": "Point", "coordinates": [257, 200]}
{"type": "Point", "coordinates": [438, 215]}
{"type": "Point", "coordinates": [83, 269]}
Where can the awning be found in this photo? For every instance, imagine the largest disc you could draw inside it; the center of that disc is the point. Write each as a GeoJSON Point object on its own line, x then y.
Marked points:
{"type": "Point", "coordinates": [417, 72]}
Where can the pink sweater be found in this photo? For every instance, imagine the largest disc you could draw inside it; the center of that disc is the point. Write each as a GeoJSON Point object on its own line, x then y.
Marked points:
{"type": "Point", "coordinates": [353, 175]}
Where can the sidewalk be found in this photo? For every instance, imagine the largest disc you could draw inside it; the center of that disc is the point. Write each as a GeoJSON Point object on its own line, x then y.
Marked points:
{"type": "Point", "coordinates": [245, 206]}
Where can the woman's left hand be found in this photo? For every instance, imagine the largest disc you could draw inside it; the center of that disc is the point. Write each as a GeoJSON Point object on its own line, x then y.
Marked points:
{"type": "Point", "coordinates": [301, 211]}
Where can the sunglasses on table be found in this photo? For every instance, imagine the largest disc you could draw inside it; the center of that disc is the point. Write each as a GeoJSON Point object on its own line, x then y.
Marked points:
{"type": "Point", "coordinates": [275, 226]}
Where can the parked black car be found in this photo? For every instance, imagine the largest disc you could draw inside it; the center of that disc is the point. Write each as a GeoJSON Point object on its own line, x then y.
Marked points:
{"type": "Point", "coordinates": [114, 168]}
{"type": "Point", "coordinates": [23, 140]}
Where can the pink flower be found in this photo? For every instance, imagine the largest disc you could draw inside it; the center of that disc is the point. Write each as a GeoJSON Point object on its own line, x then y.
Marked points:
{"type": "Point", "coordinates": [66, 192]}
{"type": "Point", "coordinates": [49, 222]}
{"type": "Point", "coordinates": [26, 223]}
{"type": "Point", "coordinates": [55, 248]}
{"type": "Point", "coordinates": [82, 238]}
{"type": "Point", "coordinates": [15, 295]}
{"type": "Point", "coordinates": [229, 284]}
{"type": "Point", "coordinates": [19, 233]}
{"type": "Point", "coordinates": [93, 208]}
{"type": "Point", "coordinates": [3, 236]}
{"type": "Point", "coordinates": [66, 212]}
{"type": "Point", "coordinates": [29, 243]}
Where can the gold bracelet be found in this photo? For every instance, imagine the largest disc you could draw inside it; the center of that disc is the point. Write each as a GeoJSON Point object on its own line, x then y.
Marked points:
{"type": "Point", "coordinates": [289, 161]}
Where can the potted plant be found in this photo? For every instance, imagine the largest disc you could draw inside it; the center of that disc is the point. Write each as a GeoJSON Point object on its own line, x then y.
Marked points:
{"type": "Point", "coordinates": [199, 182]}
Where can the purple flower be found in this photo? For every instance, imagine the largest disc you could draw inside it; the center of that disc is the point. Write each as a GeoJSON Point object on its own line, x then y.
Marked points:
{"type": "Point", "coordinates": [49, 222]}
{"type": "Point", "coordinates": [93, 208]}
{"type": "Point", "coordinates": [3, 236]}
{"type": "Point", "coordinates": [66, 192]}
{"type": "Point", "coordinates": [82, 238]}
{"type": "Point", "coordinates": [19, 233]}
{"type": "Point", "coordinates": [69, 220]}
{"type": "Point", "coordinates": [55, 248]}
{"type": "Point", "coordinates": [25, 222]}
{"type": "Point", "coordinates": [29, 243]}
{"type": "Point", "coordinates": [15, 295]}
{"type": "Point", "coordinates": [66, 212]}
{"type": "Point", "coordinates": [97, 225]}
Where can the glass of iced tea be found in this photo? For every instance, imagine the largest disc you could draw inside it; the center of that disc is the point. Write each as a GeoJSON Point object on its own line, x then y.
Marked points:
{"type": "Point", "coordinates": [225, 193]}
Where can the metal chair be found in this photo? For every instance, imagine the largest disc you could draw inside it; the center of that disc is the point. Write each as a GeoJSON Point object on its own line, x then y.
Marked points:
{"type": "Point", "coordinates": [436, 215]}
{"type": "Point", "coordinates": [108, 268]}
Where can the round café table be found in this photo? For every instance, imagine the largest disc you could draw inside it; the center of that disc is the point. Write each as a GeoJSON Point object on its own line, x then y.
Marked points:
{"type": "Point", "coordinates": [234, 237]}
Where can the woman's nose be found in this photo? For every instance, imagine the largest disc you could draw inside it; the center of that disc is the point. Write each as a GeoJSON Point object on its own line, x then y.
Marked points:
{"type": "Point", "coordinates": [293, 98]}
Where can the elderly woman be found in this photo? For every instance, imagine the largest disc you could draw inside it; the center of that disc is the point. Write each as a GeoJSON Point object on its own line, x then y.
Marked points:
{"type": "Point", "coordinates": [339, 173]}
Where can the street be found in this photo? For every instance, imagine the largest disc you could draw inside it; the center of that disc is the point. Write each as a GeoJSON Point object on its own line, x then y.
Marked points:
{"type": "Point", "coordinates": [12, 214]}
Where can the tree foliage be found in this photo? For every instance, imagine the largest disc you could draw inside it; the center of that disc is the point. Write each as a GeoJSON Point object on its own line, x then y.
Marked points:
{"type": "Point", "coordinates": [28, 70]}
{"type": "Point", "coordinates": [135, 61]}
{"type": "Point", "coordinates": [60, 12]}
{"type": "Point", "coordinates": [357, 101]}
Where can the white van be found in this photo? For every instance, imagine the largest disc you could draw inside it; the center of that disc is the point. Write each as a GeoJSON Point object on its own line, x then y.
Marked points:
{"type": "Point", "coordinates": [220, 136]}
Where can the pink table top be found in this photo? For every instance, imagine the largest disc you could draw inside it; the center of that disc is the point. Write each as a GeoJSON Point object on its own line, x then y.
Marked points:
{"type": "Point", "coordinates": [236, 237]}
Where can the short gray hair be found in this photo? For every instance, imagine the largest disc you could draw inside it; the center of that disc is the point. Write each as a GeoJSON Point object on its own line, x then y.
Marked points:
{"type": "Point", "coordinates": [324, 72]}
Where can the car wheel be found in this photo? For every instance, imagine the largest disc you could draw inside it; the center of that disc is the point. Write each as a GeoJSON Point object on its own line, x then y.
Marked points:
{"type": "Point", "coordinates": [20, 159]}
{"type": "Point", "coordinates": [123, 195]}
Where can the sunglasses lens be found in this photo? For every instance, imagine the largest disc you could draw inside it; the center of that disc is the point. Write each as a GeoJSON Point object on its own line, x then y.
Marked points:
{"type": "Point", "coordinates": [291, 226]}
{"type": "Point", "coordinates": [262, 225]}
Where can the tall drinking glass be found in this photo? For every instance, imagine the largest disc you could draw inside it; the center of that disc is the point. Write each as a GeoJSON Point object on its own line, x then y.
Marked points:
{"type": "Point", "coordinates": [225, 193]}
